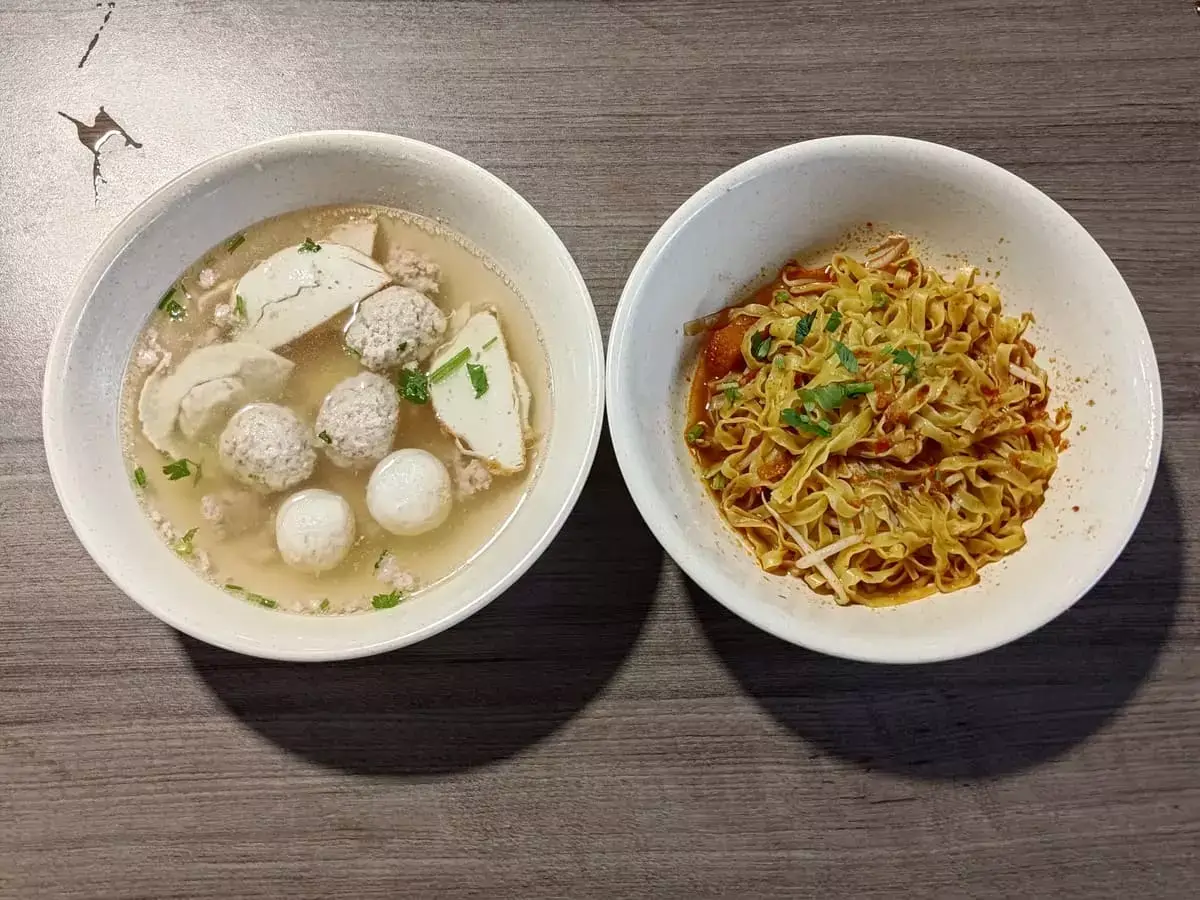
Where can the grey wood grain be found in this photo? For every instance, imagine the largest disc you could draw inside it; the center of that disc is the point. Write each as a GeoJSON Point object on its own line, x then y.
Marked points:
{"type": "Point", "coordinates": [604, 730]}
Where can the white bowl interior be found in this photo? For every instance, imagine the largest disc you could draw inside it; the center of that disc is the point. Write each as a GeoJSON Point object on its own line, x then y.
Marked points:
{"type": "Point", "coordinates": [1088, 328]}
{"type": "Point", "coordinates": [147, 251]}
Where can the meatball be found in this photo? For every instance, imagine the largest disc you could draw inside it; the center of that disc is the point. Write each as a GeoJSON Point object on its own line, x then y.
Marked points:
{"type": "Point", "coordinates": [357, 421]}
{"type": "Point", "coordinates": [414, 270]}
{"type": "Point", "coordinates": [314, 530]}
{"type": "Point", "coordinates": [232, 512]}
{"type": "Point", "coordinates": [266, 446]}
{"type": "Point", "coordinates": [410, 492]}
{"type": "Point", "coordinates": [395, 327]}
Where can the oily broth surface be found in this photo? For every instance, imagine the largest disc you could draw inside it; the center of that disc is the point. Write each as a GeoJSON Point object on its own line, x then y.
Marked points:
{"type": "Point", "coordinates": [250, 560]}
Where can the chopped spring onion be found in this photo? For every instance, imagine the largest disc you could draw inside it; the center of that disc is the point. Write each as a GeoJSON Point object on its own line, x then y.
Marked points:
{"type": "Point", "coordinates": [446, 369]}
{"type": "Point", "coordinates": [172, 307]}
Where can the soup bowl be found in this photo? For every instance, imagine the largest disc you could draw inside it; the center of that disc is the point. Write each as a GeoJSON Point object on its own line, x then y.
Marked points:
{"type": "Point", "coordinates": [119, 288]}
{"type": "Point", "coordinates": [804, 198]}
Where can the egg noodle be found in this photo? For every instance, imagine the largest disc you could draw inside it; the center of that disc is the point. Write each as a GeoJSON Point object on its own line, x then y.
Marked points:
{"type": "Point", "coordinates": [874, 428]}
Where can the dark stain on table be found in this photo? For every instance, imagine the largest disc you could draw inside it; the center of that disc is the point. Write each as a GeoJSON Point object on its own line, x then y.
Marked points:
{"type": "Point", "coordinates": [94, 136]}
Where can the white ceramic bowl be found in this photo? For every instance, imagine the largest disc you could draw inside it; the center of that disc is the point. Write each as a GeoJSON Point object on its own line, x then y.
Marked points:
{"type": "Point", "coordinates": [119, 288]}
{"type": "Point", "coordinates": [809, 195]}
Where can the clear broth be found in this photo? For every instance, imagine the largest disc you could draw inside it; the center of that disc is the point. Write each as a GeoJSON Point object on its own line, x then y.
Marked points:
{"type": "Point", "coordinates": [251, 560]}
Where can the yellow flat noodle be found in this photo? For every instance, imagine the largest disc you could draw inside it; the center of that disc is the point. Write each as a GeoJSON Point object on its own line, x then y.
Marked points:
{"type": "Point", "coordinates": [886, 404]}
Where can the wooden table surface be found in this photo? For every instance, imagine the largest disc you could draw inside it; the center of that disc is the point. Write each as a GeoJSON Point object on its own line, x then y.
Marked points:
{"type": "Point", "coordinates": [604, 729]}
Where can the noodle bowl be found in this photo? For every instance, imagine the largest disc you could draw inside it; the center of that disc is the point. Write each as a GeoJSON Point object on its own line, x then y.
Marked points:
{"type": "Point", "coordinates": [874, 428]}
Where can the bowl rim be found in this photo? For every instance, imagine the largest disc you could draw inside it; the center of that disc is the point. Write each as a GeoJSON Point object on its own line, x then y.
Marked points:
{"type": "Point", "coordinates": [660, 519]}
{"type": "Point", "coordinates": [173, 191]}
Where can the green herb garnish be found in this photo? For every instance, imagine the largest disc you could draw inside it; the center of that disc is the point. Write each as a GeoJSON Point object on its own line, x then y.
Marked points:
{"type": "Point", "coordinates": [258, 599]}
{"type": "Point", "coordinates": [478, 376]}
{"type": "Point", "coordinates": [781, 296]}
{"type": "Point", "coordinates": [695, 433]}
{"type": "Point", "coordinates": [413, 386]}
{"type": "Point", "coordinates": [831, 396]}
{"type": "Point", "coordinates": [760, 345]}
{"type": "Point", "coordinates": [488, 344]}
{"type": "Point", "coordinates": [387, 601]}
{"type": "Point", "coordinates": [835, 319]}
{"type": "Point", "coordinates": [819, 428]}
{"type": "Point", "coordinates": [791, 417]}
{"type": "Point", "coordinates": [239, 306]}
{"type": "Point", "coordinates": [181, 468]}
{"type": "Point", "coordinates": [847, 357]}
{"type": "Point", "coordinates": [718, 481]}
{"type": "Point", "coordinates": [732, 393]}
{"type": "Point", "coordinates": [904, 359]}
{"type": "Point", "coordinates": [324, 435]}
{"type": "Point", "coordinates": [139, 476]}
{"type": "Point", "coordinates": [324, 607]}
{"type": "Point", "coordinates": [379, 562]}
{"type": "Point", "coordinates": [183, 546]}
{"type": "Point", "coordinates": [171, 306]}
{"type": "Point", "coordinates": [309, 246]}
{"type": "Point", "coordinates": [878, 299]}
{"type": "Point", "coordinates": [446, 369]}
{"type": "Point", "coordinates": [234, 242]}
{"type": "Point", "coordinates": [804, 326]}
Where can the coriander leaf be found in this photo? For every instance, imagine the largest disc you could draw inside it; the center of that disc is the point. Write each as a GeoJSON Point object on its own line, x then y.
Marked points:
{"type": "Point", "coordinates": [172, 307]}
{"type": "Point", "coordinates": [489, 343]}
{"type": "Point", "coordinates": [448, 368]}
{"type": "Point", "coordinates": [732, 394]}
{"type": "Point", "coordinates": [790, 417]}
{"type": "Point", "coordinates": [760, 345]}
{"type": "Point", "coordinates": [781, 296]}
{"type": "Point", "coordinates": [387, 601]}
{"type": "Point", "coordinates": [847, 357]}
{"type": "Point", "coordinates": [180, 468]}
{"type": "Point", "coordinates": [835, 319]}
{"type": "Point", "coordinates": [324, 607]}
{"type": "Point", "coordinates": [478, 376]}
{"type": "Point", "coordinates": [234, 242]}
{"type": "Point", "coordinates": [413, 386]}
{"type": "Point", "coordinates": [139, 476]}
{"type": "Point", "coordinates": [831, 396]}
{"type": "Point", "coordinates": [821, 428]}
{"type": "Point", "coordinates": [324, 435]}
{"type": "Point", "coordinates": [878, 299]}
{"type": "Point", "coordinates": [309, 246]}
{"type": "Point", "coordinates": [905, 359]}
{"type": "Point", "coordinates": [804, 326]}
{"type": "Point", "coordinates": [183, 546]}
{"type": "Point", "coordinates": [695, 433]}
{"type": "Point", "coordinates": [239, 306]}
